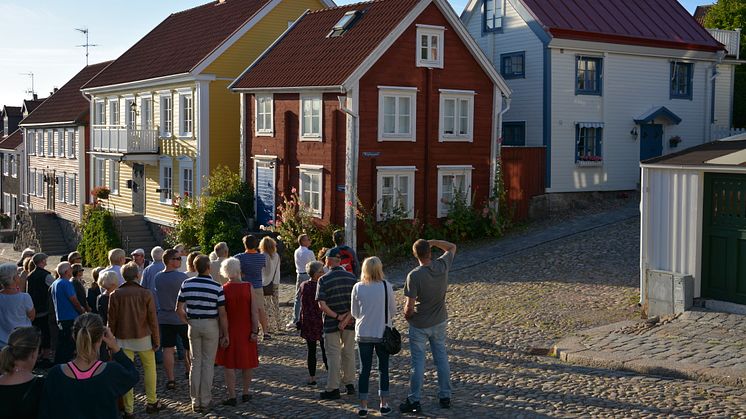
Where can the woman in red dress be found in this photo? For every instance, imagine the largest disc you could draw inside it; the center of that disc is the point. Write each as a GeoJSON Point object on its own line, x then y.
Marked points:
{"type": "Point", "coordinates": [241, 353]}
{"type": "Point", "coordinates": [311, 323]}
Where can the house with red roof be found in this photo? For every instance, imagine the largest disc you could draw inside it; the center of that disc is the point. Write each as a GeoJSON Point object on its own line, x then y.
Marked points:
{"type": "Point", "coordinates": [388, 102]}
{"type": "Point", "coordinates": [57, 132]}
{"type": "Point", "coordinates": [163, 117]}
{"type": "Point", "coordinates": [604, 84]}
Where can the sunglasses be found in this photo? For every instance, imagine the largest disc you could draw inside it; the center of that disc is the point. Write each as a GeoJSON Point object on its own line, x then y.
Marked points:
{"type": "Point", "coordinates": [179, 259]}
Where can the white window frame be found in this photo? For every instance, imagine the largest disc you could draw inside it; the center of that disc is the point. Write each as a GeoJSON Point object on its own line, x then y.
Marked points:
{"type": "Point", "coordinates": [72, 189]}
{"type": "Point", "coordinates": [60, 181]}
{"type": "Point", "coordinates": [458, 96]}
{"type": "Point", "coordinates": [40, 184]}
{"type": "Point", "coordinates": [184, 116]}
{"type": "Point", "coordinates": [6, 203]}
{"type": "Point", "coordinates": [14, 159]}
{"type": "Point", "coordinates": [146, 118]}
{"type": "Point", "coordinates": [114, 111]}
{"type": "Point", "coordinates": [260, 114]}
{"type": "Point", "coordinates": [430, 31]}
{"type": "Point", "coordinates": [99, 112]}
{"type": "Point", "coordinates": [167, 194]}
{"type": "Point", "coordinates": [130, 115]}
{"type": "Point", "coordinates": [167, 113]}
{"type": "Point", "coordinates": [456, 170]}
{"type": "Point", "coordinates": [312, 170]}
{"type": "Point", "coordinates": [311, 136]}
{"type": "Point", "coordinates": [71, 143]}
{"type": "Point", "coordinates": [99, 171]}
{"type": "Point", "coordinates": [40, 143]}
{"type": "Point", "coordinates": [398, 93]}
{"type": "Point", "coordinates": [32, 182]}
{"type": "Point", "coordinates": [186, 164]}
{"type": "Point", "coordinates": [31, 151]}
{"type": "Point", "coordinates": [114, 177]}
{"type": "Point", "coordinates": [60, 143]}
{"type": "Point", "coordinates": [6, 164]}
{"type": "Point", "coordinates": [50, 143]}
{"type": "Point", "coordinates": [396, 172]}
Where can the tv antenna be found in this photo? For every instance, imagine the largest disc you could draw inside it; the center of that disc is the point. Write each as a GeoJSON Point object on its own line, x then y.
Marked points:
{"type": "Point", "coordinates": [32, 91]}
{"type": "Point", "coordinates": [87, 44]}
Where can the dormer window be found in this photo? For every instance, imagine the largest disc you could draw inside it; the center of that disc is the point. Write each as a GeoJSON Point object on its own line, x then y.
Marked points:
{"type": "Point", "coordinates": [430, 46]}
{"type": "Point", "coordinates": [344, 23]}
{"type": "Point", "coordinates": [493, 15]}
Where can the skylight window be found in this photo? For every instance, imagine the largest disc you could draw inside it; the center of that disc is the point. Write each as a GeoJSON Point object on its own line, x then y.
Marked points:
{"type": "Point", "coordinates": [343, 24]}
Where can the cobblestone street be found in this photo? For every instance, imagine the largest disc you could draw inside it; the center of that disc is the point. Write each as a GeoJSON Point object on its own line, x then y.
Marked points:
{"type": "Point", "coordinates": [504, 315]}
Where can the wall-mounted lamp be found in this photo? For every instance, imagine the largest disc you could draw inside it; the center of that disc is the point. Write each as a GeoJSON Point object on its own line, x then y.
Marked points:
{"type": "Point", "coordinates": [634, 132]}
{"type": "Point", "coordinates": [133, 107]}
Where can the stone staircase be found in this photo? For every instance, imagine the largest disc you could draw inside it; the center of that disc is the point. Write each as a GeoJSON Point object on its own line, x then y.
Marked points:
{"type": "Point", "coordinates": [136, 233]}
{"type": "Point", "coordinates": [49, 235]}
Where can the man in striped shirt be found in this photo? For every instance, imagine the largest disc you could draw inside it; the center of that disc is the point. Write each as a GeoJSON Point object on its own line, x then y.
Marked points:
{"type": "Point", "coordinates": [201, 304]}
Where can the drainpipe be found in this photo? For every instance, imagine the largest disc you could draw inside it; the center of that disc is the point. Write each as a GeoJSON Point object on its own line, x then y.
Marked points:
{"type": "Point", "coordinates": [497, 135]}
{"type": "Point", "coordinates": [350, 172]}
{"type": "Point", "coordinates": [242, 139]}
{"type": "Point", "coordinates": [83, 159]}
{"type": "Point", "coordinates": [711, 96]}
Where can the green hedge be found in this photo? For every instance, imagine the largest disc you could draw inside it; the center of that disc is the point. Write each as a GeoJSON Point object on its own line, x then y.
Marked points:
{"type": "Point", "coordinates": [99, 236]}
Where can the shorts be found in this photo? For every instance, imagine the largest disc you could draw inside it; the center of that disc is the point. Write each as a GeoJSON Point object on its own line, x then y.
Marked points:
{"type": "Point", "coordinates": [169, 332]}
{"type": "Point", "coordinates": [257, 298]}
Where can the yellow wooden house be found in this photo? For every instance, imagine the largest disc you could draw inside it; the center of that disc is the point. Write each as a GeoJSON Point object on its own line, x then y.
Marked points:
{"type": "Point", "coordinates": [162, 116]}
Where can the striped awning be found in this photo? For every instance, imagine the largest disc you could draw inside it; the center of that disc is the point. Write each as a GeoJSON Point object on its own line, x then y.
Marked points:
{"type": "Point", "coordinates": [590, 124]}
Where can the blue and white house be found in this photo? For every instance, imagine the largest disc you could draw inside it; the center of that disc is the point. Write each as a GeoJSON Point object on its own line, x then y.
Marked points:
{"type": "Point", "coordinates": [605, 84]}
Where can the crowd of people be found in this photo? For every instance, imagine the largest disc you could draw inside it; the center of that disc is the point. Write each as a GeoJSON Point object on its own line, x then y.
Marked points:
{"type": "Point", "coordinates": [209, 311]}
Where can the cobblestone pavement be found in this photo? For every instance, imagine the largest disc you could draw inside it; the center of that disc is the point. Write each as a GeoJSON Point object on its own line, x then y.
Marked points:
{"type": "Point", "coordinates": [699, 345]}
{"type": "Point", "coordinates": [503, 317]}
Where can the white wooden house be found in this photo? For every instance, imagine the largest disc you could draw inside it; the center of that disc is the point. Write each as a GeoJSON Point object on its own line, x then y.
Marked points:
{"type": "Point", "coordinates": [604, 84]}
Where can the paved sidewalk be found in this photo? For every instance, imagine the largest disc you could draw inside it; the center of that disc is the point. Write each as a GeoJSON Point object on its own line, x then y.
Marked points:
{"type": "Point", "coordinates": [696, 345]}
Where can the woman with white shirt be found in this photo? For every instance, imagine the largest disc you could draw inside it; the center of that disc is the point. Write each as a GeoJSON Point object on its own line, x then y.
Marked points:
{"type": "Point", "coordinates": [271, 283]}
{"type": "Point", "coordinates": [369, 309]}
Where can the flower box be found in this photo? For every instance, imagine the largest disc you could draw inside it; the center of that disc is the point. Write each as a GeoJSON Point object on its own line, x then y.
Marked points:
{"type": "Point", "coordinates": [589, 163]}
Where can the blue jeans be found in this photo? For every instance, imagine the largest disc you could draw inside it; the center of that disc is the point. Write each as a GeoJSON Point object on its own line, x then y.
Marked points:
{"type": "Point", "coordinates": [366, 363]}
{"type": "Point", "coordinates": [418, 338]}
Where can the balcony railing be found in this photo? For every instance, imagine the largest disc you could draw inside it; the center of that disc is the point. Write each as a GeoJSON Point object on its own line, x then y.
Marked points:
{"type": "Point", "coordinates": [124, 140]}
{"type": "Point", "coordinates": [731, 40]}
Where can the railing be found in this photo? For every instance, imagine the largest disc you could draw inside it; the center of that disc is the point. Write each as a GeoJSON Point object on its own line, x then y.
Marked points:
{"type": "Point", "coordinates": [731, 40]}
{"type": "Point", "coordinates": [125, 140]}
{"type": "Point", "coordinates": [718, 133]}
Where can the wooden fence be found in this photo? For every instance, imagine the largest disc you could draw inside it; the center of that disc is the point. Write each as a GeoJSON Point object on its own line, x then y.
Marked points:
{"type": "Point", "coordinates": [524, 174]}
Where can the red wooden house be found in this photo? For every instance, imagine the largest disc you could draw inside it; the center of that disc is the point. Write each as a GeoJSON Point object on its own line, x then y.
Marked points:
{"type": "Point", "coordinates": [390, 102]}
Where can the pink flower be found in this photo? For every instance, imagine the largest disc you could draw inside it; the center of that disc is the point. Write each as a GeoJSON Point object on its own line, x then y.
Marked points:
{"type": "Point", "coordinates": [349, 203]}
{"type": "Point", "coordinates": [271, 222]}
{"type": "Point", "coordinates": [293, 190]}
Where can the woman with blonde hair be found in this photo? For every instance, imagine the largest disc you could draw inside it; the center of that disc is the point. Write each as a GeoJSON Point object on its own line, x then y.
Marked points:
{"type": "Point", "coordinates": [243, 327]}
{"type": "Point", "coordinates": [20, 389]}
{"type": "Point", "coordinates": [369, 307]}
{"type": "Point", "coordinates": [271, 283]}
{"type": "Point", "coordinates": [87, 387]}
{"type": "Point", "coordinates": [191, 271]}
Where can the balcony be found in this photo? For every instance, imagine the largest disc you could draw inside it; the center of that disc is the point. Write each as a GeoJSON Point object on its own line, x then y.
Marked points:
{"type": "Point", "coordinates": [124, 140]}
{"type": "Point", "coordinates": [731, 40]}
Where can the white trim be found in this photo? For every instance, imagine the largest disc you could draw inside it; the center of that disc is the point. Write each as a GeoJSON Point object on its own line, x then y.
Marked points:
{"type": "Point", "coordinates": [455, 167]}
{"type": "Point", "coordinates": [309, 166]}
{"type": "Point", "coordinates": [268, 157]}
{"type": "Point", "coordinates": [242, 138]}
{"type": "Point", "coordinates": [466, 171]}
{"type": "Point", "coordinates": [318, 170]}
{"type": "Point", "coordinates": [265, 132]}
{"type": "Point", "coordinates": [456, 136]}
{"type": "Point", "coordinates": [165, 162]}
{"type": "Point", "coordinates": [404, 88]}
{"type": "Point", "coordinates": [201, 104]}
{"type": "Point", "coordinates": [395, 172]}
{"type": "Point", "coordinates": [183, 96]}
{"type": "Point", "coordinates": [164, 94]}
{"type": "Point", "coordinates": [434, 27]}
{"type": "Point", "coordinates": [185, 163]}
{"type": "Point", "coordinates": [430, 32]}
{"type": "Point", "coordinates": [397, 93]}
{"type": "Point", "coordinates": [301, 122]}
{"type": "Point", "coordinates": [292, 89]}
{"type": "Point", "coordinates": [396, 168]}
{"type": "Point", "coordinates": [457, 92]}
{"type": "Point", "coordinates": [142, 84]}
{"type": "Point", "coordinates": [114, 166]}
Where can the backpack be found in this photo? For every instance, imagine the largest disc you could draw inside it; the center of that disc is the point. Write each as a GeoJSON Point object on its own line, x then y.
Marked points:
{"type": "Point", "coordinates": [347, 258]}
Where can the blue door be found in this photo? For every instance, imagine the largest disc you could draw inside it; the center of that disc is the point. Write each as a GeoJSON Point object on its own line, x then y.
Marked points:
{"type": "Point", "coordinates": [651, 141]}
{"type": "Point", "coordinates": [265, 192]}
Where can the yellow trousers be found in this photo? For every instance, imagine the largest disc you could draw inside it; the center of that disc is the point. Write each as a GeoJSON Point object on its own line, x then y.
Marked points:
{"type": "Point", "coordinates": [147, 359]}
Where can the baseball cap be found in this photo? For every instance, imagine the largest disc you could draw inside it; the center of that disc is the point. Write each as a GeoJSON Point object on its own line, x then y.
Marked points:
{"type": "Point", "coordinates": [137, 252]}
{"type": "Point", "coordinates": [334, 253]}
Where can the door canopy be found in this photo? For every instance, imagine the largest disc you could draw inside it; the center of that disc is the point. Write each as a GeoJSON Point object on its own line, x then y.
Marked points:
{"type": "Point", "coordinates": [659, 112]}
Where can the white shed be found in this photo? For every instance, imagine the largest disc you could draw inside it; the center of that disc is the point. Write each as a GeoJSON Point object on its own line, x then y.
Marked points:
{"type": "Point", "coordinates": [693, 219]}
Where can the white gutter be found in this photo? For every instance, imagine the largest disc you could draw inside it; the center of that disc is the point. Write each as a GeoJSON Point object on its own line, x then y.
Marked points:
{"type": "Point", "coordinates": [242, 139]}
{"type": "Point", "coordinates": [497, 134]}
{"type": "Point", "coordinates": [351, 153]}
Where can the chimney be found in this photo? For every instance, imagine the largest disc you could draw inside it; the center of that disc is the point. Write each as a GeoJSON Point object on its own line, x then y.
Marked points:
{"type": "Point", "coordinates": [36, 97]}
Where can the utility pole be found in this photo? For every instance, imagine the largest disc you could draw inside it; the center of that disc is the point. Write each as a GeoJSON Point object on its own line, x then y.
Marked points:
{"type": "Point", "coordinates": [32, 91]}
{"type": "Point", "coordinates": [87, 44]}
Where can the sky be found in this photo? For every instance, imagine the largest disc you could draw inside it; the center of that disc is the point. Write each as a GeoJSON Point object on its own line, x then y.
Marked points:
{"type": "Point", "coordinates": [41, 37]}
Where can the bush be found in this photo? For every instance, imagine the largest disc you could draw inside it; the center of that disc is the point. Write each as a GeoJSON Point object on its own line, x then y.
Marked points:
{"type": "Point", "coordinates": [99, 236]}
{"type": "Point", "coordinates": [5, 221]}
{"type": "Point", "coordinates": [391, 238]}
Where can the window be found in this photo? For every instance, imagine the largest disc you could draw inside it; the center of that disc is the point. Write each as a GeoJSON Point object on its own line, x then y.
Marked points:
{"type": "Point", "coordinates": [114, 112]}
{"type": "Point", "coordinates": [99, 113]}
{"type": "Point", "coordinates": [99, 172]}
{"type": "Point", "coordinates": [588, 140]}
{"type": "Point", "coordinates": [6, 203]}
{"type": "Point", "coordinates": [50, 144]}
{"type": "Point", "coordinates": [397, 115]}
{"type": "Point", "coordinates": [72, 189]}
{"type": "Point", "coordinates": [681, 80]}
{"type": "Point", "coordinates": [6, 164]}
{"type": "Point", "coordinates": [166, 180]}
{"type": "Point", "coordinates": [514, 133]}
{"type": "Point", "coordinates": [456, 115]}
{"type": "Point", "coordinates": [454, 182]}
{"type": "Point", "coordinates": [512, 66]}
{"type": "Point", "coordinates": [187, 111]}
{"type": "Point", "coordinates": [40, 184]}
{"type": "Point", "coordinates": [31, 143]}
{"type": "Point", "coordinates": [114, 176]}
{"type": "Point", "coordinates": [130, 113]}
{"type": "Point", "coordinates": [395, 192]}
{"type": "Point", "coordinates": [72, 144]}
{"type": "Point", "coordinates": [186, 168]}
{"type": "Point", "coordinates": [60, 134]}
{"type": "Point", "coordinates": [146, 113]}
{"type": "Point", "coordinates": [40, 143]}
{"type": "Point", "coordinates": [493, 20]}
{"type": "Point", "coordinates": [343, 24]}
{"type": "Point", "coordinates": [14, 165]}
{"type": "Point", "coordinates": [264, 117]}
{"type": "Point", "coordinates": [430, 46]}
{"type": "Point", "coordinates": [588, 75]}
{"type": "Point", "coordinates": [311, 188]}
{"type": "Point", "coordinates": [13, 205]}
{"type": "Point", "coordinates": [32, 182]}
{"type": "Point", "coordinates": [60, 187]}
{"type": "Point", "coordinates": [311, 114]}
{"type": "Point", "coordinates": [167, 115]}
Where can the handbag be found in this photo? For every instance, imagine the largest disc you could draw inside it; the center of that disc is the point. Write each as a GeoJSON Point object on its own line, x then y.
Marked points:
{"type": "Point", "coordinates": [269, 290]}
{"type": "Point", "coordinates": [391, 337]}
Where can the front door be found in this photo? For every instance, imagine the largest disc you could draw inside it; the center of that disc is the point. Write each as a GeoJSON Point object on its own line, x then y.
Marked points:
{"type": "Point", "coordinates": [264, 176]}
{"type": "Point", "coordinates": [51, 190]}
{"type": "Point", "coordinates": [651, 141]}
{"type": "Point", "coordinates": [138, 188]}
{"type": "Point", "coordinates": [724, 238]}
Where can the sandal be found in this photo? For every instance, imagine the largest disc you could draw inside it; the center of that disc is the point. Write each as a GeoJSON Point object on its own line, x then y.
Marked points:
{"type": "Point", "coordinates": [171, 385]}
{"type": "Point", "coordinates": [153, 408]}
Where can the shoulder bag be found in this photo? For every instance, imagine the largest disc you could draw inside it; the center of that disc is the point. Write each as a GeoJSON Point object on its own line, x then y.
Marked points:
{"type": "Point", "coordinates": [391, 336]}
{"type": "Point", "coordinates": [269, 290]}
